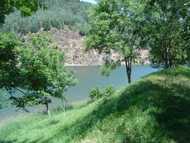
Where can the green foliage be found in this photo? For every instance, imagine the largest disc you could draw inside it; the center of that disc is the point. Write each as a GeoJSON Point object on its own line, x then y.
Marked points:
{"type": "Point", "coordinates": [109, 66]}
{"type": "Point", "coordinates": [124, 26]}
{"type": "Point", "coordinates": [42, 66]}
{"type": "Point", "coordinates": [114, 28]}
{"type": "Point", "coordinates": [9, 70]}
{"type": "Point", "coordinates": [96, 93]}
{"type": "Point", "coordinates": [152, 110]}
{"type": "Point", "coordinates": [51, 13]}
{"type": "Point", "coordinates": [25, 6]}
{"type": "Point", "coordinates": [166, 31]}
{"type": "Point", "coordinates": [108, 91]}
{"type": "Point", "coordinates": [34, 67]}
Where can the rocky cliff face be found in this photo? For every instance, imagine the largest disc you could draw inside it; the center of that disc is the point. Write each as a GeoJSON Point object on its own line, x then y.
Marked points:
{"type": "Point", "coordinates": [72, 44]}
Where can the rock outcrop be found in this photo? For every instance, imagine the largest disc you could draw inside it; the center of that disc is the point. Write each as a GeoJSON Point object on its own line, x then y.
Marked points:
{"type": "Point", "coordinates": [73, 45]}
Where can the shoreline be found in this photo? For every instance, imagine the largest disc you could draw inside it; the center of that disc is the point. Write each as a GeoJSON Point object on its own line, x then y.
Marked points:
{"type": "Point", "coordinates": [96, 65]}
{"type": "Point", "coordinates": [81, 65]}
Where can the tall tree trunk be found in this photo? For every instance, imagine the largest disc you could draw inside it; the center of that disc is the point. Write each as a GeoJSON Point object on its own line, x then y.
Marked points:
{"type": "Point", "coordinates": [128, 66]}
{"type": "Point", "coordinates": [167, 58]}
{"type": "Point", "coordinates": [47, 110]}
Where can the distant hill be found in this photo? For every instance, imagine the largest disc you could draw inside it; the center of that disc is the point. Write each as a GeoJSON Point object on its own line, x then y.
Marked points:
{"type": "Point", "coordinates": [52, 13]}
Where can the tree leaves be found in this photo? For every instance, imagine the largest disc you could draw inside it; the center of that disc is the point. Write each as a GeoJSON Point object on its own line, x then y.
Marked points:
{"type": "Point", "coordinates": [34, 65]}
{"type": "Point", "coordinates": [166, 32]}
{"type": "Point", "coordinates": [25, 6]}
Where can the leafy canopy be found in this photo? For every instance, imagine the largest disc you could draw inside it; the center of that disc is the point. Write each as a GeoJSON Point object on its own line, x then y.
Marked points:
{"type": "Point", "coordinates": [25, 6]}
{"type": "Point", "coordinates": [124, 26]}
{"type": "Point", "coordinates": [166, 31]}
{"type": "Point", "coordinates": [115, 28]}
{"type": "Point", "coordinates": [33, 66]}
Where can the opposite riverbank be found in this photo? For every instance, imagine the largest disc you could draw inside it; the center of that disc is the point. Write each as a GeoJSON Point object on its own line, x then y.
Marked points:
{"type": "Point", "coordinates": [73, 46]}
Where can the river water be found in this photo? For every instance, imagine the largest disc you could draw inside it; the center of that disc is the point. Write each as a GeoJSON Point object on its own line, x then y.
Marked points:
{"type": "Point", "coordinates": [90, 77]}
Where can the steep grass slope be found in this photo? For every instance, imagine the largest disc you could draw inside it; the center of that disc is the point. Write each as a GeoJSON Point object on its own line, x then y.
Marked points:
{"type": "Point", "coordinates": [155, 109]}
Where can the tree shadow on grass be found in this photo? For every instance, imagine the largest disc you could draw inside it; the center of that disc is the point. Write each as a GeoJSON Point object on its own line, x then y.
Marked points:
{"type": "Point", "coordinates": [24, 141]}
{"type": "Point", "coordinates": [173, 104]}
{"type": "Point", "coordinates": [106, 107]}
{"type": "Point", "coordinates": [32, 141]}
{"type": "Point", "coordinates": [174, 117]}
{"type": "Point", "coordinates": [2, 141]}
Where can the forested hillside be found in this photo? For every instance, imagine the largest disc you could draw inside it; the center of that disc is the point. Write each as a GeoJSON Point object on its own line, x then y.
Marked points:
{"type": "Point", "coordinates": [50, 13]}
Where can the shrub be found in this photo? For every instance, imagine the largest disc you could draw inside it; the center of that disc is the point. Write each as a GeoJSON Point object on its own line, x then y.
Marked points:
{"type": "Point", "coordinates": [96, 93]}
{"type": "Point", "coordinates": [108, 91]}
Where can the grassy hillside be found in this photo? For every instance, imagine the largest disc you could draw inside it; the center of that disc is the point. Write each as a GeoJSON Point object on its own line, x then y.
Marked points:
{"type": "Point", "coordinates": [53, 13]}
{"type": "Point", "coordinates": [155, 109]}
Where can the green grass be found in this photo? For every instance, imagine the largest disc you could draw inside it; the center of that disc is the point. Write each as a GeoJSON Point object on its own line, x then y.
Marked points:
{"type": "Point", "coordinates": [156, 109]}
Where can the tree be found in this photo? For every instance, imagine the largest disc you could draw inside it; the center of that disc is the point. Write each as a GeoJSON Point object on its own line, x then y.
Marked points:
{"type": "Point", "coordinates": [9, 71]}
{"type": "Point", "coordinates": [42, 65]}
{"type": "Point", "coordinates": [166, 25]}
{"type": "Point", "coordinates": [34, 67]}
{"type": "Point", "coordinates": [114, 28]}
{"type": "Point", "coordinates": [25, 6]}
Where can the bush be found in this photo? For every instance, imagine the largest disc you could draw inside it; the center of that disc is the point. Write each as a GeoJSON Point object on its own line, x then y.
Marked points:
{"type": "Point", "coordinates": [108, 91]}
{"type": "Point", "coordinates": [96, 93]}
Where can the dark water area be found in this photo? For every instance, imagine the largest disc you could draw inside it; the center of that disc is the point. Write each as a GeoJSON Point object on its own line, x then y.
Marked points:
{"type": "Point", "coordinates": [90, 77]}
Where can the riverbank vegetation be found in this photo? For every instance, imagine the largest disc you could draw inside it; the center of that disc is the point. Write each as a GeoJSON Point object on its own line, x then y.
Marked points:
{"type": "Point", "coordinates": [154, 109]}
{"type": "Point", "coordinates": [34, 67]}
{"type": "Point", "coordinates": [127, 26]}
